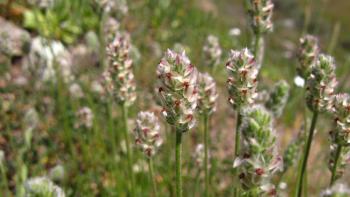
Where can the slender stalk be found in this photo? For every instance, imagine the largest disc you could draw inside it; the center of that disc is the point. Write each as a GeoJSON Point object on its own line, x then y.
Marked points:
{"type": "Point", "coordinates": [128, 150]}
{"type": "Point", "coordinates": [335, 165]}
{"type": "Point", "coordinates": [259, 49]}
{"type": "Point", "coordinates": [306, 154]}
{"type": "Point", "coordinates": [178, 147]}
{"type": "Point", "coordinates": [151, 173]}
{"type": "Point", "coordinates": [206, 158]}
{"type": "Point", "coordinates": [237, 147]}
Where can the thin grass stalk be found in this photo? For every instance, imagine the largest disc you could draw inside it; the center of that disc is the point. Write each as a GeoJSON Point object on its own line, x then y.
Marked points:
{"type": "Point", "coordinates": [335, 165]}
{"type": "Point", "coordinates": [237, 148]}
{"type": "Point", "coordinates": [128, 149]}
{"type": "Point", "coordinates": [178, 151]}
{"type": "Point", "coordinates": [306, 154]}
{"type": "Point", "coordinates": [259, 48]}
{"type": "Point", "coordinates": [334, 38]}
{"type": "Point", "coordinates": [153, 180]}
{"type": "Point", "coordinates": [206, 158]}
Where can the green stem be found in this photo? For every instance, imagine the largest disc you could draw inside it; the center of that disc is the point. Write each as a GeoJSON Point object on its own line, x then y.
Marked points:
{"type": "Point", "coordinates": [259, 49]}
{"type": "Point", "coordinates": [237, 147]}
{"type": "Point", "coordinates": [178, 147]}
{"type": "Point", "coordinates": [206, 159]}
{"type": "Point", "coordinates": [151, 173]}
{"type": "Point", "coordinates": [128, 150]}
{"type": "Point", "coordinates": [306, 155]}
{"type": "Point", "coordinates": [335, 165]}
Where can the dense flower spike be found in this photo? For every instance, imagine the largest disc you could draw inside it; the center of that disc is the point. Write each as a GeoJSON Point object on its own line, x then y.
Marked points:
{"type": "Point", "coordinates": [42, 186]}
{"type": "Point", "coordinates": [207, 94]}
{"type": "Point", "coordinates": [147, 135]}
{"type": "Point", "coordinates": [307, 55]}
{"type": "Point", "coordinates": [84, 118]}
{"type": "Point", "coordinates": [292, 152]}
{"type": "Point", "coordinates": [177, 89]}
{"type": "Point", "coordinates": [242, 73]}
{"type": "Point", "coordinates": [343, 160]}
{"type": "Point", "coordinates": [257, 161]}
{"type": "Point", "coordinates": [110, 28]}
{"type": "Point", "coordinates": [119, 78]}
{"type": "Point", "coordinates": [260, 12]}
{"type": "Point", "coordinates": [320, 84]}
{"type": "Point", "coordinates": [341, 112]}
{"type": "Point", "coordinates": [278, 98]}
{"type": "Point", "coordinates": [212, 51]}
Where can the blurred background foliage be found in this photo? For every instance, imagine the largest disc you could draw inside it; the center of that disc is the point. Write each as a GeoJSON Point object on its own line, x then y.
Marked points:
{"type": "Point", "coordinates": [94, 160]}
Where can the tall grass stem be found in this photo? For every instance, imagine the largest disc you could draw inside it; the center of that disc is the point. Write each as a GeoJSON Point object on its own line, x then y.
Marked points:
{"type": "Point", "coordinates": [178, 151]}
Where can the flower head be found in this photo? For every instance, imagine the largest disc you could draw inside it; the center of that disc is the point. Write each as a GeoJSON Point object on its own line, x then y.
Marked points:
{"type": "Point", "coordinates": [212, 51]}
{"type": "Point", "coordinates": [260, 12]}
{"type": "Point", "coordinates": [119, 78]}
{"type": "Point", "coordinates": [84, 118]}
{"type": "Point", "coordinates": [341, 112]}
{"type": "Point", "coordinates": [320, 84]}
{"type": "Point", "coordinates": [207, 94]}
{"type": "Point", "coordinates": [278, 98]}
{"type": "Point", "coordinates": [337, 190]}
{"type": "Point", "coordinates": [257, 160]}
{"type": "Point", "coordinates": [42, 186]}
{"type": "Point", "coordinates": [177, 89]}
{"type": "Point", "coordinates": [147, 136]}
{"type": "Point", "coordinates": [242, 73]}
{"type": "Point", "coordinates": [199, 155]}
{"type": "Point", "coordinates": [307, 55]}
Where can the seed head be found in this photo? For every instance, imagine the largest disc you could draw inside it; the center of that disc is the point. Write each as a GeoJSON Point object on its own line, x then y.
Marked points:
{"type": "Point", "coordinates": [307, 55]}
{"type": "Point", "coordinates": [260, 12]}
{"type": "Point", "coordinates": [119, 78]}
{"type": "Point", "coordinates": [278, 98]}
{"type": "Point", "coordinates": [212, 51]}
{"type": "Point", "coordinates": [177, 89]}
{"type": "Point", "coordinates": [242, 73]}
{"type": "Point", "coordinates": [42, 186]}
{"type": "Point", "coordinates": [207, 94]}
{"type": "Point", "coordinates": [257, 161]}
{"type": "Point", "coordinates": [147, 136]}
{"type": "Point", "coordinates": [320, 84]}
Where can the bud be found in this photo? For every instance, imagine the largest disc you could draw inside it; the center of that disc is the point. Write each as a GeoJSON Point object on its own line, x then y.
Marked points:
{"type": "Point", "coordinates": [242, 78]}
{"type": "Point", "coordinates": [212, 51]}
{"type": "Point", "coordinates": [207, 94]}
{"type": "Point", "coordinates": [119, 78]}
{"type": "Point", "coordinates": [84, 118]}
{"type": "Point", "coordinates": [307, 55]}
{"type": "Point", "coordinates": [260, 12]}
{"type": "Point", "coordinates": [278, 98]}
{"type": "Point", "coordinates": [177, 90]}
{"type": "Point", "coordinates": [42, 186]}
{"type": "Point", "coordinates": [257, 161]}
{"type": "Point", "coordinates": [320, 84]}
{"type": "Point", "coordinates": [147, 135]}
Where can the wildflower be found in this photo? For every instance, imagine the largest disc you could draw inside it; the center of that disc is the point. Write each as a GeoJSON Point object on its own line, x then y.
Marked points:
{"type": "Point", "coordinates": [199, 156]}
{"type": "Point", "coordinates": [278, 98]}
{"type": "Point", "coordinates": [114, 6]}
{"type": "Point", "coordinates": [31, 118]}
{"type": "Point", "coordinates": [110, 28]}
{"type": "Point", "coordinates": [57, 173]}
{"type": "Point", "coordinates": [84, 118]}
{"type": "Point", "coordinates": [147, 136]}
{"type": "Point", "coordinates": [320, 84]}
{"type": "Point", "coordinates": [299, 81]}
{"type": "Point", "coordinates": [257, 161]}
{"type": "Point", "coordinates": [307, 55]}
{"type": "Point", "coordinates": [119, 78]}
{"type": "Point", "coordinates": [341, 112]}
{"type": "Point", "coordinates": [242, 73]}
{"type": "Point", "coordinates": [292, 152]}
{"type": "Point", "coordinates": [75, 91]}
{"type": "Point", "coordinates": [212, 51]}
{"type": "Point", "coordinates": [260, 12]}
{"type": "Point", "coordinates": [337, 190]}
{"type": "Point", "coordinates": [177, 89]}
{"type": "Point", "coordinates": [207, 94]}
{"type": "Point", "coordinates": [42, 186]}
{"type": "Point", "coordinates": [343, 161]}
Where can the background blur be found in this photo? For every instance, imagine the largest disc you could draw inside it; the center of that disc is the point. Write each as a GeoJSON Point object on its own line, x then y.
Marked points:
{"type": "Point", "coordinates": [89, 161]}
